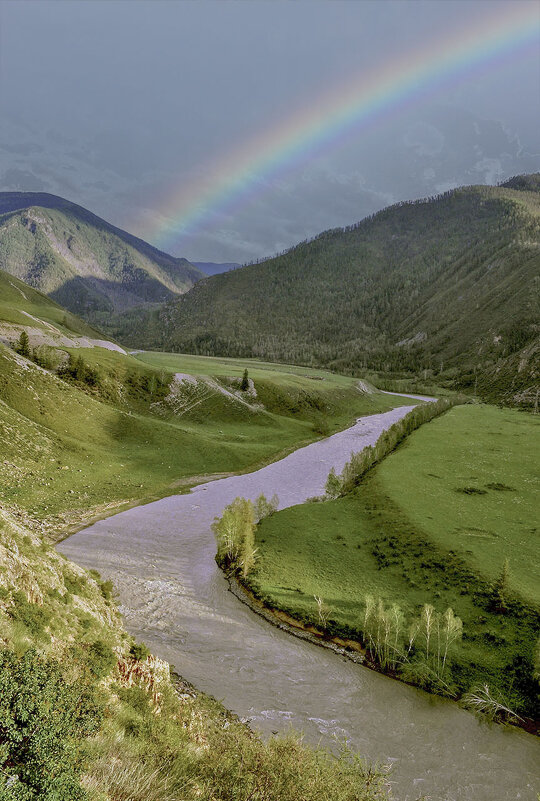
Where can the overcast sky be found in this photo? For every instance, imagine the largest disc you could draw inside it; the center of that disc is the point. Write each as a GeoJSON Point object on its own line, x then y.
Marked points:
{"type": "Point", "coordinates": [118, 104]}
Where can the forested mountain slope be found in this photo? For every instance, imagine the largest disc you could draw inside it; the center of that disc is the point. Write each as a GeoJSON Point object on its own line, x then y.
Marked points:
{"type": "Point", "coordinates": [449, 283]}
{"type": "Point", "coordinates": [89, 266]}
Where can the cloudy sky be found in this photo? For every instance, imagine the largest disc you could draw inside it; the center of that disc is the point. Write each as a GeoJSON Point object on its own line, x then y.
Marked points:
{"type": "Point", "coordinates": [132, 108]}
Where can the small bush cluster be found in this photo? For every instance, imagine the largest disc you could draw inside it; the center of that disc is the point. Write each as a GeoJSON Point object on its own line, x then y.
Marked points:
{"type": "Point", "coordinates": [235, 532]}
{"type": "Point", "coordinates": [43, 717]}
{"type": "Point", "coordinates": [34, 617]}
{"type": "Point", "coordinates": [78, 371]}
{"type": "Point", "coordinates": [139, 651]}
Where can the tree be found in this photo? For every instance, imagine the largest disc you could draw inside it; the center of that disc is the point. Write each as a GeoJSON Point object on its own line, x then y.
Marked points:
{"type": "Point", "coordinates": [333, 486]}
{"type": "Point", "coordinates": [235, 533]}
{"type": "Point", "coordinates": [501, 587]}
{"type": "Point", "coordinates": [322, 611]}
{"type": "Point", "coordinates": [264, 507]}
{"type": "Point", "coordinates": [23, 345]}
{"type": "Point", "coordinates": [244, 386]}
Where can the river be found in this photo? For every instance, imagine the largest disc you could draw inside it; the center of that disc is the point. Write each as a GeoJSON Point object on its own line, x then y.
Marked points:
{"type": "Point", "coordinates": [174, 598]}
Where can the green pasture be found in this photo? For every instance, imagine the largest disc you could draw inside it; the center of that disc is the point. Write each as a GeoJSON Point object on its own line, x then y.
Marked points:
{"type": "Point", "coordinates": [222, 366]}
{"type": "Point", "coordinates": [411, 535]}
{"type": "Point", "coordinates": [470, 482]}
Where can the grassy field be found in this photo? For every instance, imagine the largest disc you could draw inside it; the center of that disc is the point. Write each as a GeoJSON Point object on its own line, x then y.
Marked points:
{"type": "Point", "coordinates": [432, 524]}
{"type": "Point", "coordinates": [69, 449]}
{"type": "Point", "coordinates": [221, 366]}
{"type": "Point", "coordinates": [470, 482]}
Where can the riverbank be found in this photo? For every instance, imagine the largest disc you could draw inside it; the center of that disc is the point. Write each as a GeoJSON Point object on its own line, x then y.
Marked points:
{"type": "Point", "coordinates": [367, 545]}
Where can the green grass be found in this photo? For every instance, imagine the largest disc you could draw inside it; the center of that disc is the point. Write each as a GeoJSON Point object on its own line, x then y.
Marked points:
{"type": "Point", "coordinates": [222, 366]}
{"type": "Point", "coordinates": [409, 536]}
{"type": "Point", "coordinates": [469, 481]}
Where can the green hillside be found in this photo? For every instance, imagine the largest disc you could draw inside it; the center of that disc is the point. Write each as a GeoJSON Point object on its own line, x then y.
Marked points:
{"type": "Point", "coordinates": [443, 287]}
{"type": "Point", "coordinates": [89, 266]}
{"type": "Point", "coordinates": [85, 712]}
{"type": "Point", "coordinates": [21, 306]}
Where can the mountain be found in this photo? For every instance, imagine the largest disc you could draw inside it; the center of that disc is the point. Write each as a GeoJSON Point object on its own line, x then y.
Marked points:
{"type": "Point", "coordinates": [215, 268]}
{"type": "Point", "coordinates": [83, 262]}
{"type": "Point", "coordinates": [447, 285]}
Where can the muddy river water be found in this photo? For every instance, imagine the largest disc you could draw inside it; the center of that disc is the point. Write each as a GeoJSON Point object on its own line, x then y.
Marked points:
{"type": "Point", "coordinates": [174, 598]}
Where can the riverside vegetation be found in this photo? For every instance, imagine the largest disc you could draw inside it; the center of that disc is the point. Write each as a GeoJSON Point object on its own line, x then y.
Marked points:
{"type": "Point", "coordinates": [426, 557]}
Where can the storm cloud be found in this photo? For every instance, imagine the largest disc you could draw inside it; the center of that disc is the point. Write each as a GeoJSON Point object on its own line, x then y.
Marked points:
{"type": "Point", "coordinates": [114, 104]}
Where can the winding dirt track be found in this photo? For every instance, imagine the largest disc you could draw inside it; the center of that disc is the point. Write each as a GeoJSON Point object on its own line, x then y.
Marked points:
{"type": "Point", "coordinates": [174, 598]}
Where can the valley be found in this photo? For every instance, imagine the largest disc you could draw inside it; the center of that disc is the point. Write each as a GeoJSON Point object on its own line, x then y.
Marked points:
{"type": "Point", "coordinates": [269, 400]}
{"type": "Point", "coordinates": [411, 292]}
{"type": "Point", "coordinates": [126, 457]}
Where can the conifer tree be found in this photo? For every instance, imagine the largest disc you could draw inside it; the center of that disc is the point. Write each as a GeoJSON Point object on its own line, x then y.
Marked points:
{"type": "Point", "coordinates": [23, 345]}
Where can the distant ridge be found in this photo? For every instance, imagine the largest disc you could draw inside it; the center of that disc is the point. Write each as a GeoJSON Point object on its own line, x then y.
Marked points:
{"type": "Point", "coordinates": [215, 268]}
{"type": "Point", "coordinates": [91, 267]}
{"type": "Point", "coordinates": [443, 288]}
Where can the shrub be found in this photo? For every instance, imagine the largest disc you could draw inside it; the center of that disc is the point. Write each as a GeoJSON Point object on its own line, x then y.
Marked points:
{"type": "Point", "coordinates": [32, 616]}
{"type": "Point", "coordinates": [101, 659]}
{"type": "Point", "coordinates": [264, 507]}
{"type": "Point", "coordinates": [139, 651]}
{"type": "Point", "coordinates": [74, 584]}
{"type": "Point", "coordinates": [235, 533]}
{"type": "Point", "coordinates": [107, 589]}
{"type": "Point", "coordinates": [43, 717]}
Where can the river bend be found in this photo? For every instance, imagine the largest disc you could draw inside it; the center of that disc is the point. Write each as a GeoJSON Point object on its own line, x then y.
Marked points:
{"type": "Point", "coordinates": [174, 598]}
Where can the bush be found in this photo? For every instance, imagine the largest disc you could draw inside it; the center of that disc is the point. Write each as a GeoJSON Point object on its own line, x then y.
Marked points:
{"type": "Point", "coordinates": [235, 533]}
{"type": "Point", "coordinates": [34, 617]}
{"type": "Point", "coordinates": [107, 589]}
{"type": "Point", "coordinates": [43, 718]}
{"type": "Point", "coordinates": [74, 584]}
{"type": "Point", "coordinates": [139, 651]}
{"type": "Point", "coordinates": [101, 659]}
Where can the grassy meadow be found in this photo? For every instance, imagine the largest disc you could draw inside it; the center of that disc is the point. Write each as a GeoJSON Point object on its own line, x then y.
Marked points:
{"type": "Point", "coordinates": [432, 524]}
{"type": "Point", "coordinates": [22, 305]}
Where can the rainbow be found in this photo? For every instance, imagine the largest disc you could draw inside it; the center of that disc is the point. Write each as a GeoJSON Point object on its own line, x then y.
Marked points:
{"type": "Point", "coordinates": [231, 180]}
